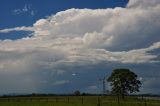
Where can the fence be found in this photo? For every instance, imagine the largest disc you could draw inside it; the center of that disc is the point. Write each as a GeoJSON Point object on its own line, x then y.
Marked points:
{"type": "Point", "coordinates": [83, 100]}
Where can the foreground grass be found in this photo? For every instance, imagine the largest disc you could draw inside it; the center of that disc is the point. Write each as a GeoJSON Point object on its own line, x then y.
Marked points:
{"type": "Point", "coordinates": [76, 101]}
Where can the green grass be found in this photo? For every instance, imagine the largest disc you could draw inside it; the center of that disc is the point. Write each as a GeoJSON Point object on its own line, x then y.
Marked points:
{"type": "Point", "coordinates": [76, 101]}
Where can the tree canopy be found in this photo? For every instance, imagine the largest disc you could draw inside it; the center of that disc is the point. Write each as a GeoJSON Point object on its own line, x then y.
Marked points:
{"type": "Point", "coordinates": [124, 81]}
{"type": "Point", "coordinates": [77, 93]}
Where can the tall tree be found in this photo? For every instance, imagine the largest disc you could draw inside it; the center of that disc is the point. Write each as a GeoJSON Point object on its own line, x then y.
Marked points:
{"type": "Point", "coordinates": [124, 81]}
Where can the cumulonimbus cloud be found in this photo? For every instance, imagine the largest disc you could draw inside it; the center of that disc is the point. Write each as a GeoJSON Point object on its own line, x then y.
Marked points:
{"type": "Point", "coordinates": [119, 29]}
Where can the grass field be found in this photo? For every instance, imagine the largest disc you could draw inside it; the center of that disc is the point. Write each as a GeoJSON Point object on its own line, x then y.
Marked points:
{"type": "Point", "coordinates": [76, 101]}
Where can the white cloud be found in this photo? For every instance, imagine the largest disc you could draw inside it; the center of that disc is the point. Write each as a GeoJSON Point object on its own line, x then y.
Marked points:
{"type": "Point", "coordinates": [73, 74]}
{"type": "Point", "coordinates": [17, 29]}
{"type": "Point", "coordinates": [142, 3]}
{"type": "Point", "coordinates": [57, 83]}
{"type": "Point", "coordinates": [26, 9]}
{"type": "Point", "coordinates": [93, 87]}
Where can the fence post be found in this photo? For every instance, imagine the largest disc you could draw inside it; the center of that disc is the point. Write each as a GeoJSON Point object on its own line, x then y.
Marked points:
{"type": "Point", "coordinates": [118, 101]}
{"type": "Point", "coordinates": [145, 102]}
{"type": "Point", "coordinates": [31, 99]}
{"type": "Point", "coordinates": [99, 102]}
{"type": "Point", "coordinates": [47, 99]}
{"type": "Point", "coordinates": [56, 99]}
{"type": "Point", "coordinates": [111, 103]}
{"type": "Point", "coordinates": [82, 99]}
{"type": "Point", "coordinates": [8, 99]}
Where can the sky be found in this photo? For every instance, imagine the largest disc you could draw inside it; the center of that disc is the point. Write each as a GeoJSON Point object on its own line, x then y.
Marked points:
{"type": "Point", "coordinates": [61, 46]}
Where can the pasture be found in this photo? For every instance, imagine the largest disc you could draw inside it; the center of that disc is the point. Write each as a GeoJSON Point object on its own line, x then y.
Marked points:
{"type": "Point", "coordinates": [76, 101]}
